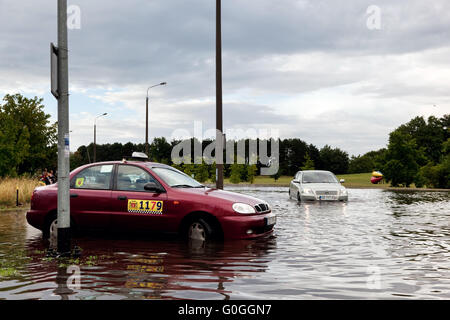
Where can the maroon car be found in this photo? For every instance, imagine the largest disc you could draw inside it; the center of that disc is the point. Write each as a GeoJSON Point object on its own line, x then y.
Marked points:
{"type": "Point", "coordinates": [151, 197]}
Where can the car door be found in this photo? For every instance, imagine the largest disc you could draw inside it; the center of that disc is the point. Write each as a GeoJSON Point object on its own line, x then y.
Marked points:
{"type": "Point", "coordinates": [294, 186]}
{"type": "Point", "coordinates": [90, 197]}
{"type": "Point", "coordinates": [133, 207]}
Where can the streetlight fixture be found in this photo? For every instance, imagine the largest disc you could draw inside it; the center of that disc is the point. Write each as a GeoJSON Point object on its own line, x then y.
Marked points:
{"type": "Point", "coordinates": [95, 133]}
{"type": "Point", "coordinates": [146, 115]}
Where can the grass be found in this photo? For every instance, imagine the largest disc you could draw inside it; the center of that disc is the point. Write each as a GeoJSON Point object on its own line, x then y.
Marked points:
{"type": "Point", "coordinates": [8, 187]}
{"type": "Point", "coordinates": [357, 180]}
{"type": "Point", "coordinates": [264, 180]}
{"type": "Point", "coordinates": [361, 180]}
{"type": "Point", "coordinates": [8, 272]}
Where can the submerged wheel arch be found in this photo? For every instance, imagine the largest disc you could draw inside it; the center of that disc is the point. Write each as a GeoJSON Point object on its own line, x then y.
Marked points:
{"type": "Point", "coordinates": [207, 217]}
{"type": "Point", "coordinates": [50, 215]}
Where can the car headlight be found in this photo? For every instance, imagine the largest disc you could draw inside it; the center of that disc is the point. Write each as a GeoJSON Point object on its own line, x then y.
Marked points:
{"type": "Point", "coordinates": [344, 192]}
{"type": "Point", "coordinates": [243, 208]}
{"type": "Point", "coordinates": [307, 191]}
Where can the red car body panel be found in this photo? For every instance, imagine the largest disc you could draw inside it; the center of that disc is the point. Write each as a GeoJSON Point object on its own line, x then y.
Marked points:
{"type": "Point", "coordinates": [108, 209]}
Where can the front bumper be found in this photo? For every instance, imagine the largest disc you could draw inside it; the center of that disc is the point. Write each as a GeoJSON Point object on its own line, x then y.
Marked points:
{"type": "Point", "coordinates": [322, 198]}
{"type": "Point", "coordinates": [247, 226]}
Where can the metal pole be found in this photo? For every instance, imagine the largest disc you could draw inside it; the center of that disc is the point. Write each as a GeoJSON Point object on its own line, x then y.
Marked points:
{"type": "Point", "coordinates": [63, 133]}
{"type": "Point", "coordinates": [146, 125]}
{"type": "Point", "coordinates": [219, 120]}
{"type": "Point", "coordinates": [95, 141]}
{"type": "Point", "coordinates": [95, 134]}
{"type": "Point", "coordinates": [146, 116]}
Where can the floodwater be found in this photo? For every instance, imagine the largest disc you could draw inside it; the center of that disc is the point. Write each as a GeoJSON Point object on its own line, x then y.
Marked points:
{"type": "Point", "coordinates": [379, 245]}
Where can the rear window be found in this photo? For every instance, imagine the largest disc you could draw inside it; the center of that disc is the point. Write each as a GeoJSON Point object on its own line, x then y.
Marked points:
{"type": "Point", "coordinates": [95, 177]}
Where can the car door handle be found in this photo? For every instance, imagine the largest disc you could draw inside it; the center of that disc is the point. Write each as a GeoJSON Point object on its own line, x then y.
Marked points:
{"type": "Point", "coordinates": [73, 195]}
{"type": "Point", "coordinates": [122, 197]}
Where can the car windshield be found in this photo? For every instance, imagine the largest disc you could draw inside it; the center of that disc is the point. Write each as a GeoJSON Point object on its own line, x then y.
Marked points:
{"type": "Point", "coordinates": [175, 178]}
{"type": "Point", "coordinates": [319, 177]}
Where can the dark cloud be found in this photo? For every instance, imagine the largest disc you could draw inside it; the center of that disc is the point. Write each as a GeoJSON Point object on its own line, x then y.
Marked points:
{"type": "Point", "coordinates": [272, 51]}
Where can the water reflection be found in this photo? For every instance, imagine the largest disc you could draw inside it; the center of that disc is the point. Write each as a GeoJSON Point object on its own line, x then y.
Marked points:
{"type": "Point", "coordinates": [155, 269]}
{"type": "Point", "coordinates": [381, 244]}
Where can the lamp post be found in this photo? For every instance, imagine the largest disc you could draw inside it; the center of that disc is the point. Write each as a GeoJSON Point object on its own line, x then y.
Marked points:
{"type": "Point", "coordinates": [219, 119]}
{"type": "Point", "coordinates": [95, 134]}
{"type": "Point", "coordinates": [63, 214]}
{"type": "Point", "coordinates": [146, 115]}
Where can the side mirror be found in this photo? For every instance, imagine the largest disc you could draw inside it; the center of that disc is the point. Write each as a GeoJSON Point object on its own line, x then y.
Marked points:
{"type": "Point", "coordinates": [153, 187]}
{"type": "Point", "coordinates": [295, 181]}
{"type": "Point", "coordinates": [342, 181]}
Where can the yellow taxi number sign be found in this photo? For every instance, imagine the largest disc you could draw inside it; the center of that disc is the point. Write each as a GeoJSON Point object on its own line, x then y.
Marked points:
{"type": "Point", "coordinates": [145, 206]}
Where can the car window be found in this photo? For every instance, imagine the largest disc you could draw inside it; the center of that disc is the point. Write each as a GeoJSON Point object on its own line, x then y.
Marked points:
{"type": "Point", "coordinates": [175, 178]}
{"type": "Point", "coordinates": [96, 177]}
{"type": "Point", "coordinates": [319, 177]}
{"type": "Point", "coordinates": [132, 178]}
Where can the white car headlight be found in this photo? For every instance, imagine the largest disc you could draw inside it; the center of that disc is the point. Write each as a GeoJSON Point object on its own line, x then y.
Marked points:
{"type": "Point", "coordinates": [243, 208]}
{"type": "Point", "coordinates": [344, 192]}
{"type": "Point", "coordinates": [307, 191]}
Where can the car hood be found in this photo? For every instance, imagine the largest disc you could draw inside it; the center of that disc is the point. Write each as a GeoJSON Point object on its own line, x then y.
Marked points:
{"type": "Point", "coordinates": [223, 195]}
{"type": "Point", "coordinates": [323, 186]}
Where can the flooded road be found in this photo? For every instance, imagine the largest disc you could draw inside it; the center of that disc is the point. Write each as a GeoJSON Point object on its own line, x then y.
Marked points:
{"type": "Point", "coordinates": [379, 245]}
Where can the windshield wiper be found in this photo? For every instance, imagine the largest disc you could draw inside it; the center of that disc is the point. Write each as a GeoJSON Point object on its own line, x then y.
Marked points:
{"type": "Point", "coordinates": [182, 186]}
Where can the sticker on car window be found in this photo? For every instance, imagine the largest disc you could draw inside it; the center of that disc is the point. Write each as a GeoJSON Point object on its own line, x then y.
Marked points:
{"type": "Point", "coordinates": [145, 206]}
{"type": "Point", "coordinates": [79, 182]}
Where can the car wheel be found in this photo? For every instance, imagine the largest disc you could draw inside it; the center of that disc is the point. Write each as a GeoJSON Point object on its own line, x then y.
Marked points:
{"type": "Point", "coordinates": [200, 230]}
{"type": "Point", "coordinates": [50, 231]}
{"type": "Point", "coordinates": [53, 229]}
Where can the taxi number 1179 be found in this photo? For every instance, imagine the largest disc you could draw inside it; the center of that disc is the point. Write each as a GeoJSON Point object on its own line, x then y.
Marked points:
{"type": "Point", "coordinates": [145, 206]}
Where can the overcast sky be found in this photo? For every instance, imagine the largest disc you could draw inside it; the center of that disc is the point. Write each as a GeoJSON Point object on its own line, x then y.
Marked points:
{"type": "Point", "coordinates": [327, 72]}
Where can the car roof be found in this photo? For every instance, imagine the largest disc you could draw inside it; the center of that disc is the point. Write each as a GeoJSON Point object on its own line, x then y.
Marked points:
{"type": "Point", "coordinates": [138, 163]}
{"type": "Point", "coordinates": [302, 171]}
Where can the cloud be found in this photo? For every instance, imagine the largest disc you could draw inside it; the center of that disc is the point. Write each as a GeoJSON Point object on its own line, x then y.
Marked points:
{"type": "Point", "coordinates": [312, 69]}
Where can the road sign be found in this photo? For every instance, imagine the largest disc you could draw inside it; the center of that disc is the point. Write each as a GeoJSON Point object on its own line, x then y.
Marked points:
{"type": "Point", "coordinates": [54, 70]}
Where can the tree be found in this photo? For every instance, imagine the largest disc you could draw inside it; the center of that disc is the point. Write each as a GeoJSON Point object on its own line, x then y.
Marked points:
{"type": "Point", "coordinates": [14, 145]}
{"type": "Point", "coordinates": [429, 136]}
{"type": "Point", "coordinates": [334, 160]}
{"type": "Point", "coordinates": [235, 175]}
{"type": "Point", "coordinates": [437, 176]}
{"type": "Point", "coordinates": [24, 123]}
{"type": "Point", "coordinates": [251, 172]}
{"type": "Point", "coordinates": [202, 172]}
{"type": "Point", "coordinates": [402, 158]}
{"type": "Point", "coordinates": [360, 164]}
{"type": "Point", "coordinates": [160, 150]}
{"type": "Point", "coordinates": [308, 164]}
{"type": "Point", "coordinates": [372, 160]}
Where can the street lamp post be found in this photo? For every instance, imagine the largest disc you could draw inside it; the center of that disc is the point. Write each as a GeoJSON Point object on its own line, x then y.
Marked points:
{"type": "Point", "coordinates": [63, 214]}
{"type": "Point", "coordinates": [146, 115]}
{"type": "Point", "coordinates": [219, 119]}
{"type": "Point", "coordinates": [95, 134]}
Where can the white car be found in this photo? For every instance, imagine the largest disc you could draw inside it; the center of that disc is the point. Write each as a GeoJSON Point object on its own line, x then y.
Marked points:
{"type": "Point", "coordinates": [317, 185]}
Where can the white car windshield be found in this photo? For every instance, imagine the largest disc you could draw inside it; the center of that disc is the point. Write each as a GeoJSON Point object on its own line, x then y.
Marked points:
{"type": "Point", "coordinates": [175, 178]}
{"type": "Point", "coordinates": [319, 177]}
